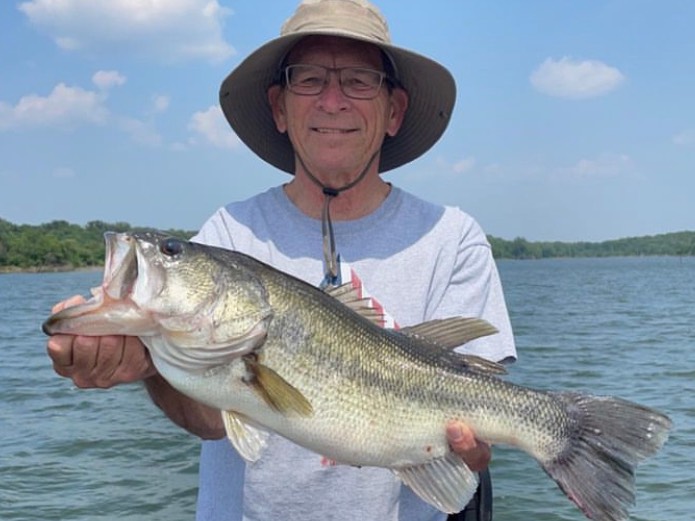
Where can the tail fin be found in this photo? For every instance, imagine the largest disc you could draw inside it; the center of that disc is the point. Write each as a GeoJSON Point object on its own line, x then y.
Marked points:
{"type": "Point", "coordinates": [610, 437]}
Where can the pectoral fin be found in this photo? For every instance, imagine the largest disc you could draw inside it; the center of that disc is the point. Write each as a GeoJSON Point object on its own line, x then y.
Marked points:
{"type": "Point", "coordinates": [249, 441]}
{"type": "Point", "coordinates": [446, 483]}
{"type": "Point", "coordinates": [275, 390]}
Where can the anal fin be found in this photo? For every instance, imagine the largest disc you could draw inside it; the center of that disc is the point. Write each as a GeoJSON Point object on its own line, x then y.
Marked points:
{"type": "Point", "coordinates": [445, 483]}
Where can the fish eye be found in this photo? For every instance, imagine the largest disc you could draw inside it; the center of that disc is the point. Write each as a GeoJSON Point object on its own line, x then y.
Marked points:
{"type": "Point", "coordinates": [171, 247]}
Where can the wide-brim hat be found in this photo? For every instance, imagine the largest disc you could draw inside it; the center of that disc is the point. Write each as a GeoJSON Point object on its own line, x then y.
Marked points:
{"type": "Point", "coordinates": [430, 86]}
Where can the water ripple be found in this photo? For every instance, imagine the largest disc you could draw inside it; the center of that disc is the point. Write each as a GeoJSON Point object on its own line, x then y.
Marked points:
{"type": "Point", "coordinates": [610, 326]}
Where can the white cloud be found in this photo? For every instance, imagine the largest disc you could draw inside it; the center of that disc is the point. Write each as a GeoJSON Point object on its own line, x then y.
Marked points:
{"type": "Point", "coordinates": [213, 127]}
{"type": "Point", "coordinates": [685, 138]}
{"type": "Point", "coordinates": [71, 107]}
{"type": "Point", "coordinates": [141, 132]}
{"type": "Point", "coordinates": [64, 106]}
{"type": "Point", "coordinates": [464, 165]}
{"type": "Point", "coordinates": [573, 79]}
{"type": "Point", "coordinates": [168, 30]}
{"type": "Point", "coordinates": [443, 171]}
{"type": "Point", "coordinates": [606, 165]}
{"type": "Point", "coordinates": [160, 103]}
{"type": "Point", "coordinates": [107, 79]}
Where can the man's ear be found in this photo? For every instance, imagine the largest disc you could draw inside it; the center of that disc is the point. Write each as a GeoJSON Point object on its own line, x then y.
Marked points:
{"type": "Point", "coordinates": [275, 99]}
{"type": "Point", "coordinates": [399, 104]}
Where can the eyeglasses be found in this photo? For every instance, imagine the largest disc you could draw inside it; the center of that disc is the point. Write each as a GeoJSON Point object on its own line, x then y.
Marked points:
{"type": "Point", "coordinates": [355, 82]}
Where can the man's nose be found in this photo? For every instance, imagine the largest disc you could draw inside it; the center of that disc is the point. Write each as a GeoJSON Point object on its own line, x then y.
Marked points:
{"type": "Point", "coordinates": [332, 95]}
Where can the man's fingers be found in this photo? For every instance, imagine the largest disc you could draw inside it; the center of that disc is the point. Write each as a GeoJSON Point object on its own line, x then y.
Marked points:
{"type": "Point", "coordinates": [84, 353]}
{"type": "Point", "coordinates": [67, 303]}
{"type": "Point", "coordinates": [474, 452]}
{"type": "Point", "coordinates": [108, 358]}
{"type": "Point", "coordinates": [136, 363]}
{"type": "Point", "coordinates": [461, 438]}
{"type": "Point", "coordinates": [60, 350]}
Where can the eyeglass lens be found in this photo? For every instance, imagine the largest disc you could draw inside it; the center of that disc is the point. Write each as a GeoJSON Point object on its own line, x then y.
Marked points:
{"type": "Point", "coordinates": [355, 82]}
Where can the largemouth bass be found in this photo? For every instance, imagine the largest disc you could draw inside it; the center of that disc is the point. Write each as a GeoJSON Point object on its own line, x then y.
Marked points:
{"type": "Point", "coordinates": [275, 354]}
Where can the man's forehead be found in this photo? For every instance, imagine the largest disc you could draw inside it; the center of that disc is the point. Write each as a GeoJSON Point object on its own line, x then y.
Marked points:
{"type": "Point", "coordinates": [317, 46]}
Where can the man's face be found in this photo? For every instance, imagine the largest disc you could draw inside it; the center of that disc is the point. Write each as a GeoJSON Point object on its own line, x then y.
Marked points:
{"type": "Point", "coordinates": [331, 131]}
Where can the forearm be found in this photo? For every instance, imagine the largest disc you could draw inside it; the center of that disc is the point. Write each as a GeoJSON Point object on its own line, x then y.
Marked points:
{"type": "Point", "coordinates": [196, 418]}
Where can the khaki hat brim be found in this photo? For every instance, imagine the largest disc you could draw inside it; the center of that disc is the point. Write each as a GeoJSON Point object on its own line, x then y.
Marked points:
{"type": "Point", "coordinates": [430, 86]}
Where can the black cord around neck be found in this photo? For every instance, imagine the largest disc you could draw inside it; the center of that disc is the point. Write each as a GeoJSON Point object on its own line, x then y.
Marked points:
{"type": "Point", "coordinates": [329, 251]}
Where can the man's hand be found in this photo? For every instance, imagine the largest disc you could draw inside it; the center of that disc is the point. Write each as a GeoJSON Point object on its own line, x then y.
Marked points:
{"type": "Point", "coordinates": [475, 453]}
{"type": "Point", "coordinates": [98, 361]}
{"type": "Point", "coordinates": [111, 360]}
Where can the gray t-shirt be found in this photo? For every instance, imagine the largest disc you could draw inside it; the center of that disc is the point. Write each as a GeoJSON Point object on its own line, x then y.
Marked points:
{"type": "Point", "coordinates": [421, 261]}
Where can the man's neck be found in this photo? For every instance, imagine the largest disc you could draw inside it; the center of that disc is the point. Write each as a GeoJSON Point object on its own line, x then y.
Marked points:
{"type": "Point", "coordinates": [353, 203]}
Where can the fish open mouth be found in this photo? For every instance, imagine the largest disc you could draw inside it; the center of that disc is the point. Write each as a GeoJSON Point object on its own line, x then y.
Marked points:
{"type": "Point", "coordinates": [111, 301]}
{"type": "Point", "coordinates": [120, 266]}
{"type": "Point", "coordinates": [120, 270]}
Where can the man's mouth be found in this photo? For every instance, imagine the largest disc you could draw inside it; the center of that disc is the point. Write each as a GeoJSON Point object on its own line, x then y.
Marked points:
{"type": "Point", "coordinates": [326, 130]}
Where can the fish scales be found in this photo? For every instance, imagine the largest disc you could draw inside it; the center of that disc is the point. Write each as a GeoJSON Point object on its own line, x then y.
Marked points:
{"type": "Point", "coordinates": [364, 361]}
{"type": "Point", "coordinates": [275, 354]}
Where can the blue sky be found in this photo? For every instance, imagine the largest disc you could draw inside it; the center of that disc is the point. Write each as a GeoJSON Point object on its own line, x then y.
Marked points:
{"type": "Point", "coordinates": [574, 120]}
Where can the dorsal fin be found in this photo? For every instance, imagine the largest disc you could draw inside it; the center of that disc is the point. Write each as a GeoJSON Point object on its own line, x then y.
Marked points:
{"type": "Point", "coordinates": [480, 365]}
{"type": "Point", "coordinates": [347, 295]}
{"type": "Point", "coordinates": [451, 332]}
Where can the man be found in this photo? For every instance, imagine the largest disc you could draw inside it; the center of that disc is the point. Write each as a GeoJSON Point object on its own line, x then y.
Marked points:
{"type": "Point", "coordinates": [333, 103]}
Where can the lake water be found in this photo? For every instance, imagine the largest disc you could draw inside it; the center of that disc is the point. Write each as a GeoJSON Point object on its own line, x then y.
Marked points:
{"type": "Point", "coordinates": [623, 326]}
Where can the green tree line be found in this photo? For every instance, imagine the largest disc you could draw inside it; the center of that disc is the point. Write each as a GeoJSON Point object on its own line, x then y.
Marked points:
{"type": "Point", "coordinates": [674, 244]}
{"type": "Point", "coordinates": [61, 245]}
{"type": "Point", "coordinates": [58, 245]}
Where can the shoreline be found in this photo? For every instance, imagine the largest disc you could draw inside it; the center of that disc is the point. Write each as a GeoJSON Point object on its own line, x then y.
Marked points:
{"type": "Point", "coordinates": [8, 270]}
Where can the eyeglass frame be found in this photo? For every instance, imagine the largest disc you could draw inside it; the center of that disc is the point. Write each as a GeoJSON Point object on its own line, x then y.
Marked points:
{"type": "Point", "coordinates": [283, 79]}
